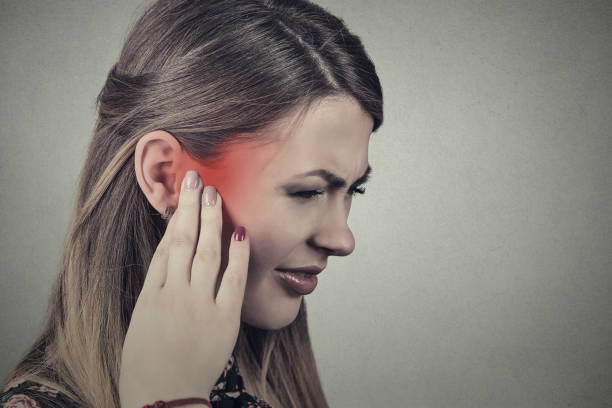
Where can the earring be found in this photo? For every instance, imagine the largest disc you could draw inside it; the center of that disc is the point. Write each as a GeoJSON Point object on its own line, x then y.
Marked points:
{"type": "Point", "coordinates": [167, 212]}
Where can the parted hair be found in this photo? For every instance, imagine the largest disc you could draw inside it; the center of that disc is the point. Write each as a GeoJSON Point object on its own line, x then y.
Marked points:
{"type": "Point", "coordinates": [209, 72]}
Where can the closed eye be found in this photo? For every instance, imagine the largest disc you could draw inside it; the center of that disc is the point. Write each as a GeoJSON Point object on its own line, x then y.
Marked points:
{"type": "Point", "coordinates": [312, 193]}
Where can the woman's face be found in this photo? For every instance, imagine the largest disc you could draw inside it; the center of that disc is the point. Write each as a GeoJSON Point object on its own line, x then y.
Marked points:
{"type": "Point", "coordinates": [258, 185]}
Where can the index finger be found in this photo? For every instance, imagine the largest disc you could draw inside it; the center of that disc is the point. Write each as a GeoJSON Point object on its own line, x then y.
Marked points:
{"type": "Point", "coordinates": [158, 267]}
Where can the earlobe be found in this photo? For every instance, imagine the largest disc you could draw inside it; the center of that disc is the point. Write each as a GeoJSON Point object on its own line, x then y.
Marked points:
{"type": "Point", "coordinates": [156, 162]}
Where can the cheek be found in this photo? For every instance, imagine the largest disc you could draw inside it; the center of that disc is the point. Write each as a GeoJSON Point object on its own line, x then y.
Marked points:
{"type": "Point", "coordinates": [273, 244]}
{"type": "Point", "coordinates": [276, 226]}
{"type": "Point", "coordinates": [269, 248]}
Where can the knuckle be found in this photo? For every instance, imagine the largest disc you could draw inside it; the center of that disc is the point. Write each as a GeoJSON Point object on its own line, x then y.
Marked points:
{"type": "Point", "coordinates": [207, 254]}
{"type": "Point", "coordinates": [182, 239]}
{"type": "Point", "coordinates": [234, 279]}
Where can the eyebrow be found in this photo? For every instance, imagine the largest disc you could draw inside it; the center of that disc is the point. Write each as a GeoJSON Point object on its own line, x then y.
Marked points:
{"type": "Point", "coordinates": [334, 181]}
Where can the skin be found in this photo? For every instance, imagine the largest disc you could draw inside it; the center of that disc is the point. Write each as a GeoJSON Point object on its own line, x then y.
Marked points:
{"type": "Point", "coordinates": [256, 181]}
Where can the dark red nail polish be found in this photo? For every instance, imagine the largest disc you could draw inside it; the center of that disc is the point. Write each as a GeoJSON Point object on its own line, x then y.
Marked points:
{"type": "Point", "coordinates": [239, 233]}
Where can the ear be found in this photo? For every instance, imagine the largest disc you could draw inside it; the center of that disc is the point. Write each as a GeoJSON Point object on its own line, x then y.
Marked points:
{"type": "Point", "coordinates": [157, 162]}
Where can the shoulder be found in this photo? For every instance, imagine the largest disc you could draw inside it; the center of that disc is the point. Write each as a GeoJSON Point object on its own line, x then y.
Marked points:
{"type": "Point", "coordinates": [29, 394]}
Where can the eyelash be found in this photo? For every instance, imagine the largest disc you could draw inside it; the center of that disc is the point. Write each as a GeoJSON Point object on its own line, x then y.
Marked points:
{"type": "Point", "coordinates": [312, 193]}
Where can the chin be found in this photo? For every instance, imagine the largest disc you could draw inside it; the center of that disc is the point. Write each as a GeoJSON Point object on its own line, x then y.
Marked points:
{"type": "Point", "coordinates": [275, 319]}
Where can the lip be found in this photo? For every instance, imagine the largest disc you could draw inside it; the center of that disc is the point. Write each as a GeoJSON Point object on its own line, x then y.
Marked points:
{"type": "Point", "coordinates": [315, 270]}
{"type": "Point", "coordinates": [297, 284]}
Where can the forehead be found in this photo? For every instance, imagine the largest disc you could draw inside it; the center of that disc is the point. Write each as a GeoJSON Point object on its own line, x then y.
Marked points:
{"type": "Point", "coordinates": [333, 134]}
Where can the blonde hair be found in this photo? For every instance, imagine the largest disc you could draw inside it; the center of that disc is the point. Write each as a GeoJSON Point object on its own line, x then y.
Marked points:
{"type": "Point", "coordinates": [209, 73]}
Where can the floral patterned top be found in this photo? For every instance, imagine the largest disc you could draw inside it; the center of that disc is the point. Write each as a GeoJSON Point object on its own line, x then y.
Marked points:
{"type": "Point", "coordinates": [228, 392]}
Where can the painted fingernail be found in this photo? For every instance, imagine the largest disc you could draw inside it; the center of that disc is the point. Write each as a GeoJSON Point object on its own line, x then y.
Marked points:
{"type": "Point", "coordinates": [210, 196]}
{"type": "Point", "coordinates": [239, 233]}
{"type": "Point", "coordinates": [192, 180]}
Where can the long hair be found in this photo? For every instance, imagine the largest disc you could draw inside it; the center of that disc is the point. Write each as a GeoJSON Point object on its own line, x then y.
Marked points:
{"type": "Point", "coordinates": [209, 72]}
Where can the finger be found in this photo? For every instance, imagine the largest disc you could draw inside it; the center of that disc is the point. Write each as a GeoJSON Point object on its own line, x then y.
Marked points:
{"type": "Point", "coordinates": [231, 290]}
{"type": "Point", "coordinates": [207, 259]}
{"type": "Point", "coordinates": [158, 267]}
{"type": "Point", "coordinates": [184, 235]}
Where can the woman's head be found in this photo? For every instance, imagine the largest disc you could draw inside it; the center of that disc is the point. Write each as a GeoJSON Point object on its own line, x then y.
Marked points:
{"type": "Point", "coordinates": [250, 93]}
{"type": "Point", "coordinates": [264, 189]}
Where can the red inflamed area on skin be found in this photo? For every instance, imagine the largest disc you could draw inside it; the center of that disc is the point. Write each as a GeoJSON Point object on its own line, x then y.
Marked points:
{"type": "Point", "coordinates": [233, 174]}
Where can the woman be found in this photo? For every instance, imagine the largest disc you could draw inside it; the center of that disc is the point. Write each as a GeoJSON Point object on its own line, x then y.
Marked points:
{"type": "Point", "coordinates": [152, 301]}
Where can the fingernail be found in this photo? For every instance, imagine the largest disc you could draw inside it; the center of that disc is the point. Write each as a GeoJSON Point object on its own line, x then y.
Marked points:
{"type": "Point", "coordinates": [239, 233]}
{"type": "Point", "coordinates": [210, 196]}
{"type": "Point", "coordinates": [192, 180]}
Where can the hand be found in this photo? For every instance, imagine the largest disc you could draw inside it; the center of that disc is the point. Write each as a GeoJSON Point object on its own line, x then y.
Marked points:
{"type": "Point", "coordinates": [180, 336]}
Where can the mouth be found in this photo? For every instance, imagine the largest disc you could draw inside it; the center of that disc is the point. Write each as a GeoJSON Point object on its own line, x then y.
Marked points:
{"type": "Point", "coordinates": [304, 270]}
{"type": "Point", "coordinates": [300, 281]}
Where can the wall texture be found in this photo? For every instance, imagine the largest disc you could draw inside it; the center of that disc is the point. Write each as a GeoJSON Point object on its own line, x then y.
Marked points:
{"type": "Point", "coordinates": [482, 275]}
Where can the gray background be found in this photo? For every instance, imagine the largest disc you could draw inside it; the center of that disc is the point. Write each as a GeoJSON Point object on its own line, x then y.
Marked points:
{"type": "Point", "coordinates": [482, 272]}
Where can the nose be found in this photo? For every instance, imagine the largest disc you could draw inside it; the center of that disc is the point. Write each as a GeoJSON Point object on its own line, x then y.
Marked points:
{"type": "Point", "coordinates": [333, 233]}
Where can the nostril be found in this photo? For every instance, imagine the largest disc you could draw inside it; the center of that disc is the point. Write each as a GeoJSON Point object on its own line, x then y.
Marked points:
{"type": "Point", "coordinates": [329, 252]}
